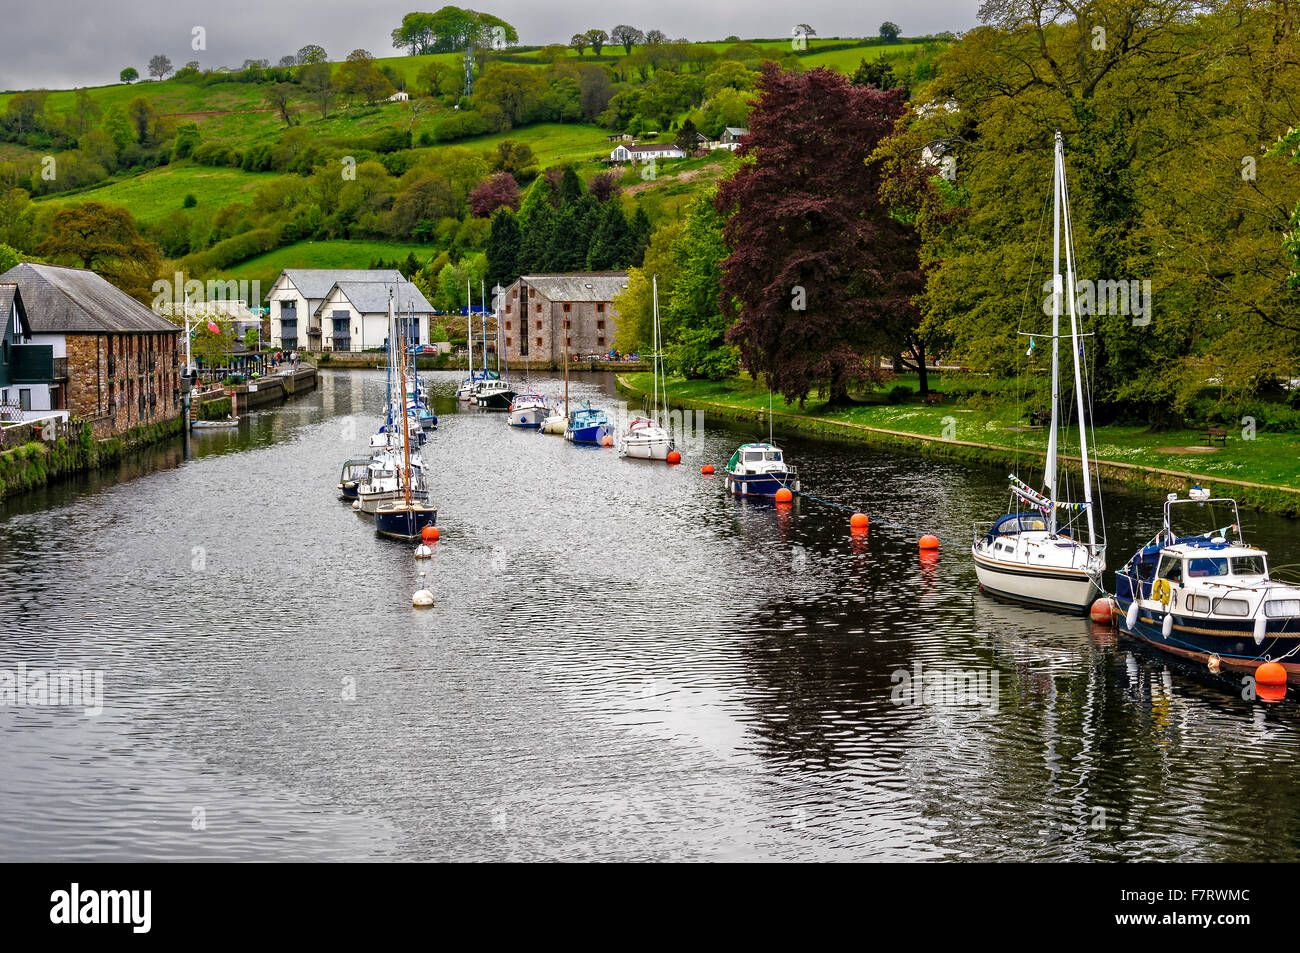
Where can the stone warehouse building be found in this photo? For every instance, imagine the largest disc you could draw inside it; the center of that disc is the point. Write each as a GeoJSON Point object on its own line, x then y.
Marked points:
{"type": "Point", "coordinates": [116, 363]}
{"type": "Point", "coordinates": [545, 316]}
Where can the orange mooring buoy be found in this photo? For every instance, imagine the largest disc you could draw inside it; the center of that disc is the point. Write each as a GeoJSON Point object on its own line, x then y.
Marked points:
{"type": "Point", "coordinates": [1103, 610]}
{"type": "Point", "coordinates": [429, 534]}
{"type": "Point", "coordinates": [707, 468]}
{"type": "Point", "coordinates": [1270, 673]}
{"type": "Point", "coordinates": [929, 541]}
{"type": "Point", "coordinates": [784, 495]}
{"type": "Point", "coordinates": [674, 456]}
{"type": "Point", "coordinates": [607, 441]}
{"type": "Point", "coordinates": [859, 520]}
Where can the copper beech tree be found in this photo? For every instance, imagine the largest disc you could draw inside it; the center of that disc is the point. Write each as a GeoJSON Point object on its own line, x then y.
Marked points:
{"type": "Point", "coordinates": [820, 276]}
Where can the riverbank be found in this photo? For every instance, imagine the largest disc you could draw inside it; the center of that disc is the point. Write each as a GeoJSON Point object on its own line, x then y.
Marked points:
{"type": "Point", "coordinates": [1260, 472]}
{"type": "Point", "coordinates": [37, 463]}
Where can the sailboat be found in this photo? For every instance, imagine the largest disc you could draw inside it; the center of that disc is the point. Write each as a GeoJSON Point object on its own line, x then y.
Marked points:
{"type": "Point", "coordinates": [465, 392]}
{"type": "Point", "coordinates": [556, 422]}
{"type": "Point", "coordinates": [403, 518]}
{"type": "Point", "coordinates": [1030, 554]}
{"type": "Point", "coordinates": [645, 438]}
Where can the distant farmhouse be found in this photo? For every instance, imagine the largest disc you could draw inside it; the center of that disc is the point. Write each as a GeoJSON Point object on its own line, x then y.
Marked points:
{"type": "Point", "coordinates": [77, 345]}
{"type": "Point", "coordinates": [546, 316]}
{"type": "Point", "coordinates": [644, 152]}
{"type": "Point", "coordinates": [330, 309]}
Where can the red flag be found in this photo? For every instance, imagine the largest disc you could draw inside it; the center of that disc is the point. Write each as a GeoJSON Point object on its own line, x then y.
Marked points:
{"type": "Point", "coordinates": [212, 326]}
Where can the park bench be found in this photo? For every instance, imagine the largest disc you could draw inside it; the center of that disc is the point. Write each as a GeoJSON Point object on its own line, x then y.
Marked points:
{"type": "Point", "coordinates": [934, 397]}
{"type": "Point", "coordinates": [1213, 433]}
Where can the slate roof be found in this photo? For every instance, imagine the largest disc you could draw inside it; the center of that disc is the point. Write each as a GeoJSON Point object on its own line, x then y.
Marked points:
{"type": "Point", "coordinates": [579, 287]}
{"type": "Point", "coordinates": [9, 295]}
{"type": "Point", "coordinates": [76, 301]}
{"type": "Point", "coordinates": [371, 297]}
{"type": "Point", "coordinates": [318, 282]}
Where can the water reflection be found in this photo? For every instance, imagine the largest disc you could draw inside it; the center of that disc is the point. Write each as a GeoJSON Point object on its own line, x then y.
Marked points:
{"type": "Point", "coordinates": [624, 663]}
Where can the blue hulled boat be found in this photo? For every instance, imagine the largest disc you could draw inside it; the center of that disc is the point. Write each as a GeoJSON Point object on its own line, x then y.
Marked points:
{"type": "Point", "coordinates": [587, 426]}
{"type": "Point", "coordinates": [1208, 598]}
{"type": "Point", "coordinates": [759, 469]}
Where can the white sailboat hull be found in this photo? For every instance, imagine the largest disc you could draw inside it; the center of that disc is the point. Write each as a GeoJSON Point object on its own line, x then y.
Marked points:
{"type": "Point", "coordinates": [1055, 587]}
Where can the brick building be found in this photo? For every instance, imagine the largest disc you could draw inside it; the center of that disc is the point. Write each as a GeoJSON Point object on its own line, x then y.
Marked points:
{"type": "Point", "coordinates": [545, 315]}
{"type": "Point", "coordinates": [117, 363]}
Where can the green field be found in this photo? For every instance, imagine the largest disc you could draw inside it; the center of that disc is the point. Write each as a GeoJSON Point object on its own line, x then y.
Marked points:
{"type": "Point", "coordinates": [322, 254]}
{"type": "Point", "coordinates": [846, 61]}
{"type": "Point", "coordinates": [157, 193]}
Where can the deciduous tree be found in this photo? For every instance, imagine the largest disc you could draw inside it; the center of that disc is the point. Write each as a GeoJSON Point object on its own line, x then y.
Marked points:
{"type": "Point", "coordinates": [819, 275]}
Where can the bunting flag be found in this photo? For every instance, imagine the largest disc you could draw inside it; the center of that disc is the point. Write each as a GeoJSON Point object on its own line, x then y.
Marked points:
{"type": "Point", "coordinates": [1039, 502]}
{"type": "Point", "coordinates": [1030, 352]}
{"type": "Point", "coordinates": [212, 326]}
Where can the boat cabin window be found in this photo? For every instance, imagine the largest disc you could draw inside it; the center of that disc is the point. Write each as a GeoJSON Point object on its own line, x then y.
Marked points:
{"type": "Point", "coordinates": [1238, 607]}
{"type": "Point", "coordinates": [1202, 567]}
{"type": "Point", "coordinates": [754, 456]}
{"type": "Point", "coordinates": [1282, 608]}
{"type": "Point", "coordinates": [1248, 566]}
{"type": "Point", "coordinates": [1171, 568]}
{"type": "Point", "coordinates": [1198, 603]}
{"type": "Point", "coordinates": [773, 455]}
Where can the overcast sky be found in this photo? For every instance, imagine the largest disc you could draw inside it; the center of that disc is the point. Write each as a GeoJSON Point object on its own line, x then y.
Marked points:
{"type": "Point", "coordinates": [58, 44]}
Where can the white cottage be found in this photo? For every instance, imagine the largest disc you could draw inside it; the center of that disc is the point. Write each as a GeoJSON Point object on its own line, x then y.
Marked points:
{"type": "Point", "coordinates": [354, 315]}
{"type": "Point", "coordinates": [645, 152]}
{"type": "Point", "coordinates": [297, 294]}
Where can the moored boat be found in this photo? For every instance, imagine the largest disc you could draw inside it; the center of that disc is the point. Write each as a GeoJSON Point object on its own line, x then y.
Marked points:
{"type": "Point", "coordinates": [1032, 554]}
{"type": "Point", "coordinates": [353, 472]}
{"type": "Point", "coordinates": [528, 410]}
{"type": "Point", "coordinates": [587, 426]}
{"type": "Point", "coordinates": [1209, 597]}
{"type": "Point", "coordinates": [644, 438]}
{"type": "Point", "coordinates": [759, 469]}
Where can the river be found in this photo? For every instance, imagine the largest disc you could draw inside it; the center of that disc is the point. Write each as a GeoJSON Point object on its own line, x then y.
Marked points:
{"type": "Point", "coordinates": [623, 663]}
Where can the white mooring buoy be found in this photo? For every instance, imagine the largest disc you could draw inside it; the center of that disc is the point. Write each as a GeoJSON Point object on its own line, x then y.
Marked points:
{"type": "Point", "coordinates": [423, 598]}
{"type": "Point", "coordinates": [423, 552]}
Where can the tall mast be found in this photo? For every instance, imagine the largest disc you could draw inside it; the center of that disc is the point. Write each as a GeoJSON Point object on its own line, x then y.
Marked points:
{"type": "Point", "coordinates": [655, 281]}
{"type": "Point", "coordinates": [1049, 473]}
{"type": "Point", "coordinates": [406, 435]}
{"type": "Point", "coordinates": [1074, 354]}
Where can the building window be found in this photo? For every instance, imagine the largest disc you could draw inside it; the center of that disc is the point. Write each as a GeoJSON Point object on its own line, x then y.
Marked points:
{"type": "Point", "coordinates": [600, 307]}
{"type": "Point", "coordinates": [515, 293]}
{"type": "Point", "coordinates": [539, 342]}
{"type": "Point", "coordinates": [600, 325]}
{"type": "Point", "coordinates": [567, 324]}
{"type": "Point", "coordinates": [600, 341]}
{"type": "Point", "coordinates": [509, 342]}
{"type": "Point", "coordinates": [568, 342]}
{"type": "Point", "coordinates": [539, 308]}
{"type": "Point", "coordinates": [567, 307]}
{"type": "Point", "coordinates": [507, 323]}
{"type": "Point", "coordinates": [539, 325]}
{"type": "Point", "coordinates": [24, 399]}
{"type": "Point", "coordinates": [508, 307]}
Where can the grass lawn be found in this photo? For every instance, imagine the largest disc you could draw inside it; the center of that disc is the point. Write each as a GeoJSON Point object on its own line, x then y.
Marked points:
{"type": "Point", "coordinates": [155, 194]}
{"type": "Point", "coordinates": [846, 61]}
{"type": "Point", "coordinates": [552, 142]}
{"type": "Point", "coordinates": [338, 253]}
{"type": "Point", "coordinates": [1270, 458]}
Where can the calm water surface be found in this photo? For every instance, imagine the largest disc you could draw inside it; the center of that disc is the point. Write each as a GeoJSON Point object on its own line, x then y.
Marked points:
{"type": "Point", "coordinates": [623, 663]}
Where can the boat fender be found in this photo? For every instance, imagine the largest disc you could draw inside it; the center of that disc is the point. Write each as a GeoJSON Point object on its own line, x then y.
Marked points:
{"type": "Point", "coordinates": [1168, 625]}
{"type": "Point", "coordinates": [1130, 620]}
{"type": "Point", "coordinates": [1261, 624]}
